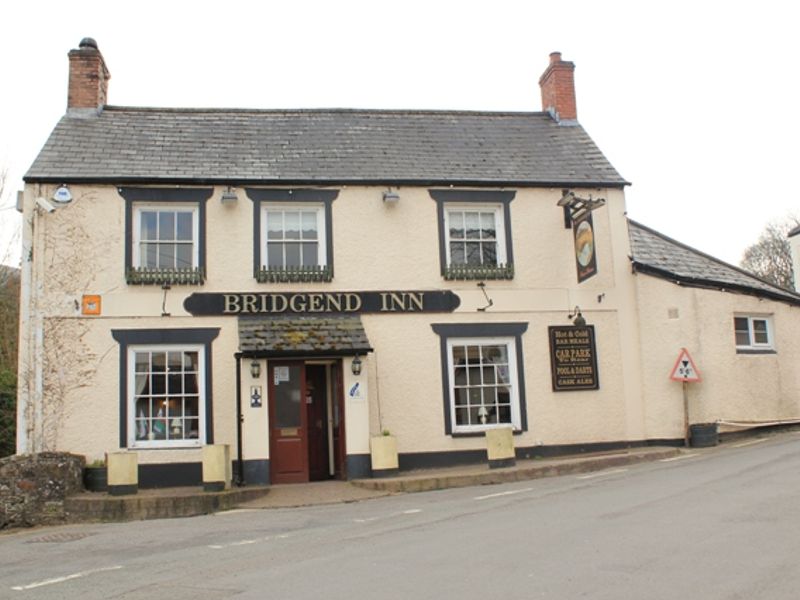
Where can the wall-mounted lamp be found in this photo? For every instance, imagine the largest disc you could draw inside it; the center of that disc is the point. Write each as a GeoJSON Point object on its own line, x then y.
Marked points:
{"type": "Point", "coordinates": [355, 366]}
{"type": "Point", "coordinates": [229, 196]}
{"type": "Point", "coordinates": [391, 197]}
{"type": "Point", "coordinates": [577, 318]}
{"type": "Point", "coordinates": [62, 195]}
{"type": "Point", "coordinates": [255, 369]}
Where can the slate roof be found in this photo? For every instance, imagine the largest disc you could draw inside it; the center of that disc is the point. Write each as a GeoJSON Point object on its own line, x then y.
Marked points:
{"type": "Point", "coordinates": [656, 254]}
{"type": "Point", "coordinates": [336, 146]}
{"type": "Point", "coordinates": [292, 336]}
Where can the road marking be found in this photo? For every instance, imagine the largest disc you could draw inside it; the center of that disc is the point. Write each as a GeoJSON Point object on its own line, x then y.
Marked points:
{"type": "Point", "coordinates": [602, 474]}
{"type": "Point", "coordinates": [283, 536]}
{"type": "Point", "coordinates": [681, 457]}
{"type": "Point", "coordinates": [236, 511]}
{"type": "Point", "coordinates": [750, 443]}
{"type": "Point", "coordinates": [499, 494]}
{"type": "Point", "coordinates": [30, 586]}
{"type": "Point", "coordinates": [411, 511]}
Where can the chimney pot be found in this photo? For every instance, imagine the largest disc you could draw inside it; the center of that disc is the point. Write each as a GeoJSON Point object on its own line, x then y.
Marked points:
{"type": "Point", "coordinates": [558, 89]}
{"type": "Point", "coordinates": [88, 77]}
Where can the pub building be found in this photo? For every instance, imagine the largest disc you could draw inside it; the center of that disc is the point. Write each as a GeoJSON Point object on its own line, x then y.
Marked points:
{"type": "Point", "coordinates": [295, 283]}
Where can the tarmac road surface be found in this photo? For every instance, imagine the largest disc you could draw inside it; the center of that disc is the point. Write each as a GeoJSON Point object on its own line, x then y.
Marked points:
{"type": "Point", "coordinates": [711, 524]}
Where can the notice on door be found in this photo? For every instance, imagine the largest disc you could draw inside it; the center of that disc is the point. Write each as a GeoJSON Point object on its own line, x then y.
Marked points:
{"type": "Point", "coordinates": [573, 358]}
{"type": "Point", "coordinates": [281, 375]}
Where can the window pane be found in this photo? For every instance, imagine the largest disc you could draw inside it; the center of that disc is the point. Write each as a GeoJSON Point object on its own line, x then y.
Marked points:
{"type": "Point", "coordinates": [166, 225]}
{"type": "Point", "coordinates": [460, 377]}
{"type": "Point", "coordinates": [190, 383]}
{"type": "Point", "coordinates": [475, 396]}
{"type": "Point", "coordinates": [459, 355]}
{"type": "Point", "coordinates": [175, 383]}
{"type": "Point", "coordinates": [275, 255]}
{"type": "Point", "coordinates": [149, 256]}
{"type": "Point", "coordinates": [158, 384]}
{"type": "Point", "coordinates": [473, 253]}
{"type": "Point", "coordinates": [495, 354]}
{"type": "Point", "coordinates": [142, 362]}
{"type": "Point", "coordinates": [457, 252]}
{"type": "Point", "coordinates": [148, 231]}
{"type": "Point", "coordinates": [309, 254]}
{"type": "Point", "coordinates": [159, 362]}
{"type": "Point", "coordinates": [166, 256]}
{"type": "Point", "coordinates": [462, 416]}
{"type": "Point", "coordinates": [742, 338]}
{"type": "Point", "coordinates": [183, 257]}
{"type": "Point", "coordinates": [489, 253]}
{"type": "Point", "coordinates": [291, 225]}
{"type": "Point", "coordinates": [309, 225]}
{"type": "Point", "coordinates": [472, 224]}
{"type": "Point", "coordinates": [461, 397]}
{"type": "Point", "coordinates": [292, 255]}
{"type": "Point", "coordinates": [475, 376]}
{"type": "Point", "coordinates": [185, 226]}
{"type": "Point", "coordinates": [192, 429]}
{"type": "Point", "coordinates": [190, 361]}
{"type": "Point", "coordinates": [760, 331]}
{"type": "Point", "coordinates": [488, 230]}
{"type": "Point", "coordinates": [456, 221]}
{"type": "Point", "coordinates": [274, 225]}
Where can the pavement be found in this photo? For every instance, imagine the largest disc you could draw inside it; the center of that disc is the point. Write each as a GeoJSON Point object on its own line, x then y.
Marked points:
{"type": "Point", "coordinates": [183, 502]}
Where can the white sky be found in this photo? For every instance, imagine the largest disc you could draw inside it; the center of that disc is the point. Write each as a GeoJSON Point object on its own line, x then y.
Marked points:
{"type": "Point", "coordinates": [692, 102]}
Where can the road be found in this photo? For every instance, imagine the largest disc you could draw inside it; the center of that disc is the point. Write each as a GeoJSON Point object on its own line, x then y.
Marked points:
{"type": "Point", "coordinates": [713, 524]}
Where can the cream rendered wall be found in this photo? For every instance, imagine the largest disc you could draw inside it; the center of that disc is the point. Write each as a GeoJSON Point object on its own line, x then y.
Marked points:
{"type": "Point", "coordinates": [734, 387]}
{"type": "Point", "coordinates": [79, 249]}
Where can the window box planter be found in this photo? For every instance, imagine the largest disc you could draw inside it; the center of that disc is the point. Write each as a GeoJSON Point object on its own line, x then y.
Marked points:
{"type": "Point", "coordinates": [473, 272]}
{"type": "Point", "coordinates": [294, 275]}
{"type": "Point", "coordinates": [145, 276]}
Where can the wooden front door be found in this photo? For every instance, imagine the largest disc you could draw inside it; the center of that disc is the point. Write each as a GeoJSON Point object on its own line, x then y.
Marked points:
{"type": "Point", "coordinates": [288, 429]}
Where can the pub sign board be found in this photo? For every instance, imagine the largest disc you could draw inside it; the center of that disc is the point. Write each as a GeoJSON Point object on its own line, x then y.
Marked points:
{"type": "Point", "coordinates": [573, 358]}
{"type": "Point", "coordinates": [320, 303]}
{"type": "Point", "coordinates": [585, 255]}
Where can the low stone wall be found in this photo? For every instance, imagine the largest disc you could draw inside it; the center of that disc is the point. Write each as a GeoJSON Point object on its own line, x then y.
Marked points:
{"type": "Point", "coordinates": [33, 487]}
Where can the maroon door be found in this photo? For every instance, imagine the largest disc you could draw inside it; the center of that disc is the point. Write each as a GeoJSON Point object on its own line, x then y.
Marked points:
{"type": "Point", "coordinates": [288, 428]}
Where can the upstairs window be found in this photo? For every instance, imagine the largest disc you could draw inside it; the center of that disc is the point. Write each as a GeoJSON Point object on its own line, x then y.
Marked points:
{"type": "Point", "coordinates": [292, 234]}
{"type": "Point", "coordinates": [295, 238]}
{"type": "Point", "coordinates": [474, 238]}
{"type": "Point", "coordinates": [474, 234]}
{"type": "Point", "coordinates": [165, 238]}
{"type": "Point", "coordinates": [165, 235]}
{"type": "Point", "coordinates": [753, 333]}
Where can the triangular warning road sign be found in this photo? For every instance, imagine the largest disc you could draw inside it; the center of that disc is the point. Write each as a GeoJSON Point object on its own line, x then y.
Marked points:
{"type": "Point", "coordinates": [685, 369]}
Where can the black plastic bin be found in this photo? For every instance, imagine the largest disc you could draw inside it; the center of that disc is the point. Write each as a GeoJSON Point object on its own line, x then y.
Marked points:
{"type": "Point", "coordinates": [703, 435]}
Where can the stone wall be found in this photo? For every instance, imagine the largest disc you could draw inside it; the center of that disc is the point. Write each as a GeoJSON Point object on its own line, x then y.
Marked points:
{"type": "Point", "coordinates": [33, 487]}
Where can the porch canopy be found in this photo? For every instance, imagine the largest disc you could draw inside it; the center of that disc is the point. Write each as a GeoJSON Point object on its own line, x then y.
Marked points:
{"type": "Point", "coordinates": [269, 337]}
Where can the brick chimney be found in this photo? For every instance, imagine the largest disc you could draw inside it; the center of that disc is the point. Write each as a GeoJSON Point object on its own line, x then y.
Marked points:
{"type": "Point", "coordinates": [558, 89]}
{"type": "Point", "coordinates": [88, 77]}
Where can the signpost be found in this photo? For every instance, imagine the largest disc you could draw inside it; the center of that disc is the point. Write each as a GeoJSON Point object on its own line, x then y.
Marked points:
{"type": "Point", "coordinates": [686, 372]}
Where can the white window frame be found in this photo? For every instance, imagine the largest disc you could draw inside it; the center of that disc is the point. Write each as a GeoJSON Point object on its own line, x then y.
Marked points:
{"type": "Point", "coordinates": [201, 393]}
{"type": "Point", "coordinates": [318, 208]}
{"type": "Point", "coordinates": [513, 378]}
{"type": "Point", "coordinates": [140, 207]}
{"type": "Point", "coordinates": [499, 223]}
{"type": "Point", "coordinates": [753, 344]}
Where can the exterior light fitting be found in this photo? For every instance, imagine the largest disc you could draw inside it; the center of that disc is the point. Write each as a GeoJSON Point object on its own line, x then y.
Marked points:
{"type": "Point", "coordinates": [62, 195]}
{"type": "Point", "coordinates": [577, 318]}
{"type": "Point", "coordinates": [355, 366]}
{"type": "Point", "coordinates": [255, 369]}
{"type": "Point", "coordinates": [391, 197]}
{"type": "Point", "coordinates": [229, 196]}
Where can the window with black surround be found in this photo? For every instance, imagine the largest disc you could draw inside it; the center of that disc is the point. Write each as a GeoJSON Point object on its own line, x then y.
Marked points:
{"type": "Point", "coordinates": [165, 235]}
{"type": "Point", "coordinates": [483, 382]}
{"type": "Point", "coordinates": [292, 234]}
{"type": "Point", "coordinates": [753, 334]}
{"type": "Point", "coordinates": [165, 387]}
{"type": "Point", "coordinates": [474, 234]}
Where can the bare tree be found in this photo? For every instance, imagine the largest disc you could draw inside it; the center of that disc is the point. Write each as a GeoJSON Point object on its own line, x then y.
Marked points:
{"type": "Point", "coordinates": [9, 324]}
{"type": "Point", "coordinates": [771, 256]}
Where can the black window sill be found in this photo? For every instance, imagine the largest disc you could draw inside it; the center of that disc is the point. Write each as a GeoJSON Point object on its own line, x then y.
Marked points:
{"type": "Point", "coordinates": [144, 276]}
{"type": "Point", "coordinates": [473, 434]}
{"type": "Point", "coordinates": [298, 275]}
{"type": "Point", "coordinates": [755, 351]}
{"type": "Point", "coordinates": [473, 272]}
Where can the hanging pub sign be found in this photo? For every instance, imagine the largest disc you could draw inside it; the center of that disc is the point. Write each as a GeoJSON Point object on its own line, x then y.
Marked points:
{"type": "Point", "coordinates": [585, 259]}
{"type": "Point", "coordinates": [319, 303]}
{"type": "Point", "coordinates": [573, 358]}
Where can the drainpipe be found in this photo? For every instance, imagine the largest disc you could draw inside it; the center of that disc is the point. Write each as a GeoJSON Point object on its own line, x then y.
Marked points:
{"type": "Point", "coordinates": [239, 418]}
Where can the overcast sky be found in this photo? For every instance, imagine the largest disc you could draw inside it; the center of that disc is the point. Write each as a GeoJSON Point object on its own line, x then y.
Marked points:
{"type": "Point", "coordinates": [695, 103]}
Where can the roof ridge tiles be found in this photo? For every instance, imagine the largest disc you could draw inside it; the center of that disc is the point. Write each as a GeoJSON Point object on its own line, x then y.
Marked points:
{"type": "Point", "coordinates": [366, 111]}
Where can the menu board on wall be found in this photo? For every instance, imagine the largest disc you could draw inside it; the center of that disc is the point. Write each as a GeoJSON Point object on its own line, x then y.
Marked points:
{"type": "Point", "coordinates": [573, 358]}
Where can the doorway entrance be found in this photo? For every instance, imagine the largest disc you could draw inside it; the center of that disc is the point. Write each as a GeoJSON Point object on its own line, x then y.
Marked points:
{"type": "Point", "coordinates": [306, 416]}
